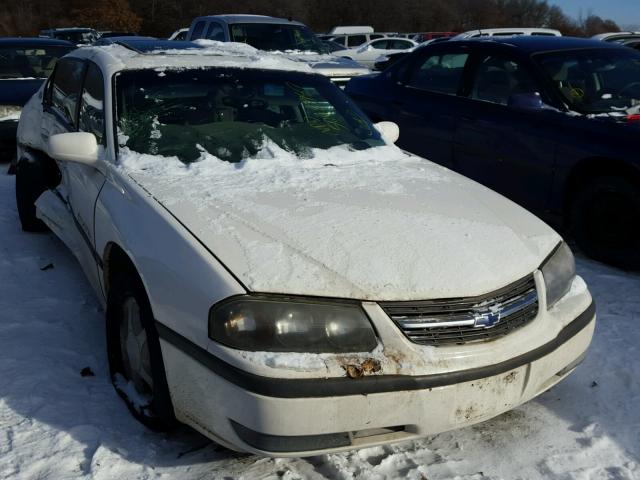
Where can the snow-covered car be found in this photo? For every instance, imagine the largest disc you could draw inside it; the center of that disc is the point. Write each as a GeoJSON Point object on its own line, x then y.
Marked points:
{"type": "Point", "coordinates": [275, 272]}
{"type": "Point", "coordinates": [290, 38]}
{"type": "Point", "coordinates": [369, 53]}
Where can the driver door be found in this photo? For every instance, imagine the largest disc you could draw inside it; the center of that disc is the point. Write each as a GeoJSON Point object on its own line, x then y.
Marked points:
{"type": "Point", "coordinates": [75, 101]}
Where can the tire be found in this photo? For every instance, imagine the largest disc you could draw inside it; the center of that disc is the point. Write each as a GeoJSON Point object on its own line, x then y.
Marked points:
{"type": "Point", "coordinates": [139, 378]}
{"type": "Point", "coordinates": [605, 220]}
{"type": "Point", "coordinates": [31, 182]}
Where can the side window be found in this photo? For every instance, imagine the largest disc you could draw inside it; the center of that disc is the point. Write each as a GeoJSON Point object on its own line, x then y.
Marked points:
{"type": "Point", "coordinates": [380, 45]}
{"type": "Point", "coordinates": [440, 73]}
{"type": "Point", "coordinates": [399, 45]}
{"type": "Point", "coordinates": [373, 36]}
{"type": "Point", "coordinates": [497, 78]}
{"type": "Point", "coordinates": [340, 40]}
{"type": "Point", "coordinates": [215, 32]}
{"type": "Point", "coordinates": [197, 30]}
{"type": "Point", "coordinates": [355, 40]}
{"type": "Point", "coordinates": [92, 104]}
{"type": "Point", "coordinates": [65, 89]}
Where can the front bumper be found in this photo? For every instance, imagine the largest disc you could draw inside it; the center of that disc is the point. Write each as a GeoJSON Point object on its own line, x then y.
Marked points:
{"type": "Point", "coordinates": [299, 417]}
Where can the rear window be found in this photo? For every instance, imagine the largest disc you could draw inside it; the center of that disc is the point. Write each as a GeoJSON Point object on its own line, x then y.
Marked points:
{"type": "Point", "coordinates": [276, 36]}
{"type": "Point", "coordinates": [29, 62]}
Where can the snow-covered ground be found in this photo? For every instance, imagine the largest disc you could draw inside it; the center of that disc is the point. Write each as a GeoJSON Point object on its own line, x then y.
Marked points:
{"type": "Point", "coordinates": [56, 423]}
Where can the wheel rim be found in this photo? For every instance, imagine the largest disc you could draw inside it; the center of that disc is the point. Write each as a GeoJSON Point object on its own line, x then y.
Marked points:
{"type": "Point", "coordinates": [134, 347]}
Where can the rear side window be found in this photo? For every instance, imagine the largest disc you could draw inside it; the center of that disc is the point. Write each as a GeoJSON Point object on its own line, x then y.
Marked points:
{"type": "Point", "coordinates": [355, 40]}
{"type": "Point", "coordinates": [198, 30]}
{"type": "Point", "coordinates": [440, 73]}
{"type": "Point", "coordinates": [65, 89]}
{"type": "Point", "coordinates": [215, 32]}
{"type": "Point", "coordinates": [92, 104]}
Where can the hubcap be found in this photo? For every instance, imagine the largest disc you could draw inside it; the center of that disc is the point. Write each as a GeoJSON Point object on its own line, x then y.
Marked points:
{"type": "Point", "coordinates": [134, 348]}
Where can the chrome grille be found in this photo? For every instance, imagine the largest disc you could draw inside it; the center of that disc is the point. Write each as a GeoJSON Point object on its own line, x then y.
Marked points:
{"type": "Point", "coordinates": [464, 320]}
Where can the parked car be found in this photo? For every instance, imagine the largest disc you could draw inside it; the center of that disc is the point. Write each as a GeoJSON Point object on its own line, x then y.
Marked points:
{"type": "Point", "coordinates": [349, 29]}
{"type": "Point", "coordinates": [508, 32]}
{"type": "Point", "coordinates": [354, 40]}
{"type": "Point", "coordinates": [24, 64]}
{"type": "Point", "coordinates": [263, 251]}
{"type": "Point", "coordinates": [113, 33]}
{"type": "Point", "coordinates": [619, 37]}
{"type": "Point", "coordinates": [548, 122]}
{"type": "Point", "coordinates": [368, 53]}
{"type": "Point", "coordinates": [295, 39]}
{"type": "Point", "coordinates": [426, 36]}
{"type": "Point", "coordinates": [77, 35]}
{"type": "Point", "coordinates": [180, 34]}
{"type": "Point", "coordinates": [123, 39]}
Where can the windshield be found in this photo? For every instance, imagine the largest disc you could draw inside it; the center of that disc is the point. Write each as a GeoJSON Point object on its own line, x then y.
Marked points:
{"type": "Point", "coordinates": [29, 62]}
{"type": "Point", "coordinates": [276, 36]}
{"type": "Point", "coordinates": [596, 81]}
{"type": "Point", "coordinates": [233, 114]}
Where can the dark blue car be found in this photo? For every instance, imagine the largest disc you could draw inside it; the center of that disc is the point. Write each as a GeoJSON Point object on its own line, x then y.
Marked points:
{"type": "Point", "coordinates": [24, 64]}
{"type": "Point", "coordinates": [552, 123]}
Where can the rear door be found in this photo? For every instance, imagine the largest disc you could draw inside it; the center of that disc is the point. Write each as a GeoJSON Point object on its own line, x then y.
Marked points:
{"type": "Point", "coordinates": [509, 149]}
{"type": "Point", "coordinates": [426, 104]}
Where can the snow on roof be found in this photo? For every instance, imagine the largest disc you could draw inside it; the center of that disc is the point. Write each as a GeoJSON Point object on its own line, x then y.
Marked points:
{"type": "Point", "coordinates": [198, 54]}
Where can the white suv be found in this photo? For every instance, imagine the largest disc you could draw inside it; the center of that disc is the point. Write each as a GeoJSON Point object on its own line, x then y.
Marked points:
{"type": "Point", "coordinates": [275, 272]}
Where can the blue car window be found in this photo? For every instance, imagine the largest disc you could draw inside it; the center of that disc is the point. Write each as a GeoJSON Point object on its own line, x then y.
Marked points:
{"type": "Point", "coordinates": [440, 73]}
{"type": "Point", "coordinates": [497, 78]}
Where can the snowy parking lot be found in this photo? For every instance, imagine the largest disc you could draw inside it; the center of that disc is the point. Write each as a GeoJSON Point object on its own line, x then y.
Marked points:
{"type": "Point", "coordinates": [58, 423]}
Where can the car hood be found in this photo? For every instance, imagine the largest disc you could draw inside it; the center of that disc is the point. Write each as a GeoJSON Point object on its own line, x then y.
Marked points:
{"type": "Point", "coordinates": [377, 224]}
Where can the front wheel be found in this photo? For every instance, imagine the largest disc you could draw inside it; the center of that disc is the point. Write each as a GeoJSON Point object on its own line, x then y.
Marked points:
{"type": "Point", "coordinates": [605, 220]}
{"type": "Point", "coordinates": [135, 359]}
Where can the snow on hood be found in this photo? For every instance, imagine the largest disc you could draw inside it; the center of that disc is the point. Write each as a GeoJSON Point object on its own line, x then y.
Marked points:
{"type": "Point", "coordinates": [376, 224]}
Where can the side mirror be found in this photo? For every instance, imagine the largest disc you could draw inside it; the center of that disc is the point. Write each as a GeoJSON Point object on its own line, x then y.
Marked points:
{"type": "Point", "coordinates": [79, 147]}
{"type": "Point", "coordinates": [526, 101]}
{"type": "Point", "coordinates": [389, 130]}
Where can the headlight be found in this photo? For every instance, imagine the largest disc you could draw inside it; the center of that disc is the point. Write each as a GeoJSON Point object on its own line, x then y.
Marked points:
{"type": "Point", "coordinates": [291, 325]}
{"type": "Point", "coordinates": [9, 112]}
{"type": "Point", "coordinates": [558, 272]}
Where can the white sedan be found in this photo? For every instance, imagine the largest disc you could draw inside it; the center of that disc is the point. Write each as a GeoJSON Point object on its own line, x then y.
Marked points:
{"type": "Point", "coordinates": [275, 272]}
{"type": "Point", "coordinates": [368, 53]}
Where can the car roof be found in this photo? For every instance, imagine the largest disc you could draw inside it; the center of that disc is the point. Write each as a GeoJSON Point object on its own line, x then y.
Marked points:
{"type": "Point", "coordinates": [534, 44]}
{"type": "Point", "coordinates": [34, 41]}
{"type": "Point", "coordinates": [69, 29]}
{"type": "Point", "coordinates": [243, 18]}
{"type": "Point", "coordinates": [134, 54]}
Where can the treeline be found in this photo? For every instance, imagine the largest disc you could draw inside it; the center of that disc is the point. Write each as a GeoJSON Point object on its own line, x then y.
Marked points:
{"type": "Point", "coordinates": [161, 17]}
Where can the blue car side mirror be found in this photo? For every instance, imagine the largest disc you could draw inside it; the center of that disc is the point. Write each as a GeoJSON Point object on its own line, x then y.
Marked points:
{"type": "Point", "coordinates": [526, 101]}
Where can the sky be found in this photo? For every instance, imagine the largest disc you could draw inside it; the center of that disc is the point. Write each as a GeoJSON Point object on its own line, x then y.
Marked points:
{"type": "Point", "coordinates": [623, 12]}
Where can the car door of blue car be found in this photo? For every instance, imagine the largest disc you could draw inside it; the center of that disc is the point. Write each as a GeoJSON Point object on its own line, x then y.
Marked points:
{"type": "Point", "coordinates": [425, 102]}
{"type": "Point", "coordinates": [502, 145]}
